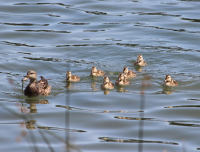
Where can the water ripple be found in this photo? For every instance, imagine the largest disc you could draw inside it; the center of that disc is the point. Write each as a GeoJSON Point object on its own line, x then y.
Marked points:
{"type": "Point", "coordinates": [51, 31]}
{"type": "Point", "coordinates": [61, 4]}
{"type": "Point", "coordinates": [25, 24]}
{"type": "Point", "coordinates": [95, 111]}
{"type": "Point", "coordinates": [19, 44]}
{"type": "Point", "coordinates": [122, 140]}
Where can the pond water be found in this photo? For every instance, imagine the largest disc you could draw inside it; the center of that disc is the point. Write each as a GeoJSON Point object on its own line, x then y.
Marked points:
{"type": "Point", "coordinates": [54, 37]}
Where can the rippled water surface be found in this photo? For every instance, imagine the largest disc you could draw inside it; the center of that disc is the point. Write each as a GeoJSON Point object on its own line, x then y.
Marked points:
{"type": "Point", "coordinates": [52, 37]}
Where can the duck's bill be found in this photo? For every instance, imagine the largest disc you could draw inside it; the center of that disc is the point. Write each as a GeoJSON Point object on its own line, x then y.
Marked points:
{"type": "Point", "coordinates": [25, 79]}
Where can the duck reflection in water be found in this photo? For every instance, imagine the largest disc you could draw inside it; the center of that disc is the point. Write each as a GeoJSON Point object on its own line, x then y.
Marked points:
{"type": "Point", "coordinates": [167, 90]}
{"type": "Point", "coordinates": [30, 124]}
{"type": "Point", "coordinates": [121, 89]}
{"type": "Point", "coordinates": [138, 68]}
{"type": "Point", "coordinates": [93, 86]}
{"type": "Point", "coordinates": [35, 88]}
{"type": "Point", "coordinates": [33, 102]}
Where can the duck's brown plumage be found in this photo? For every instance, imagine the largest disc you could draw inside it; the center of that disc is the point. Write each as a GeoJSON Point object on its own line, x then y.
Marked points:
{"type": "Point", "coordinates": [71, 77]}
{"type": "Point", "coordinates": [122, 80]}
{"type": "Point", "coordinates": [35, 87]}
{"type": "Point", "coordinates": [169, 81]}
{"type": "Point", "coordinates": [107, 84]}
{"type": "Point", "coordinates": [140, 61]}
{"type": "Point", "coordinates": [128, 73]}
{"type": "Point", "coordinates": [95, 72]}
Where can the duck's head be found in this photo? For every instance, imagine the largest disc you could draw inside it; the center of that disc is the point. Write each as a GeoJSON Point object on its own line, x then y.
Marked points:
{"type": "Point", "coordinates": [69, 73]}
{"type": "Point", "coordinates": [94, 69]}
{"type": "Point", "coordinates": [139, 58]}
{"type": "Point", "coordinates": [125, 70]}
{"type": "Point", "coordinates": [168, 78]}
{"type": "Point", "coordinates": [106, 79]}
{"type": "Point", "coordinates": [32, 75]}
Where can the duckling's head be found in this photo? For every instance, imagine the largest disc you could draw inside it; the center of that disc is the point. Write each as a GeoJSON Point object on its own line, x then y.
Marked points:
{"type": "Point", "coordinates": [125, 70]}
{"type": "Point", "coordinates": [106, 79]}
{"type": "Point", "coordinates": [69, 73]}
{"type": "Point", "coordinates": [139, 58]}
{"type": "Point", "coordinates": [94, 69]}
{"type": "Point", "coordinates": [168, 78]}
{"type": "Point", "coordinates": [32, 75]}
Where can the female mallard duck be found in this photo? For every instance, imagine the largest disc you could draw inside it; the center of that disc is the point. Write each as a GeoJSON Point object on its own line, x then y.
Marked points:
{"type": "Point", "coordinates": [169, 81]}
{"type": "Point", "coordinates": [140, 61]}
{"type": "Point", "coordinates": [128, 73]}
{"type": "Point", "coordinates": [122, 80]}
{"type": "Point", "coordinates": [36, 87]}
{"type": "Point", "coordinates": [107, 84]}
{"type": "Point", "coordinates": [96, 72]}
{"type": "Point", "coordinates": [71, 77]}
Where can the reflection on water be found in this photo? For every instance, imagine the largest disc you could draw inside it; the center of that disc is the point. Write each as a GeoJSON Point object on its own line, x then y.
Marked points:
{"type": "Point", "coordinates": [94, 86]}
{"type": "Point", "coordinates": [68, 86]}
{"type": "Point", "coordinates": [33, 102]}
{"type": "Point", "coordinates": [138, 68]}
{"type": "Point", "coordinates": [106, 91]}
{"type": "Point", "coordinates": [71, 85]}
{"type": "Point", "coordinates": [30, 124]}
{"type": "Point", "coordinates": [167, 90]}
{"type": "Point", "coordinates": [121, 89]}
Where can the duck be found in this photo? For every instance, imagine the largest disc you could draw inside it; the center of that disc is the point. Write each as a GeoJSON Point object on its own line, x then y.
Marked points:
{"type": "Point", "coordinates": [129, 73]}
{"type": "Point", "coordinates": [70, 77]}
{"type": "Point", "coordinates": [107, 84]}
{"type": "Point", "coordinates": [140, 61]}
{"type": "Point", "coordinates": [96, 72]}
{"type": "Point", "coordinates": [122, 80]}
{"type": "Point", "coordinates": [169, 81]}
{"type": "Point", "coordinates": [35, 88]}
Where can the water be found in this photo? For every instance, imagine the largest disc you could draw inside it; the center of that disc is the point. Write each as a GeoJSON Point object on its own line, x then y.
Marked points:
{"type": "Point", "coordinates": [53, 37]}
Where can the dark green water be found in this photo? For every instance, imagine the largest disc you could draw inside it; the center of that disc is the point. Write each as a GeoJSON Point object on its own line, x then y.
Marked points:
{"type": "Point", "coordinates": [53, 37]}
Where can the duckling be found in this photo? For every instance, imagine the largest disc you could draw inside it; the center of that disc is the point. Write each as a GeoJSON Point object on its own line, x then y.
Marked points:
{"type": "Point", "coordinates": [126, 81]}
{"type": "Point", "coordinates": [122, 80]}
{"type": "Point", "coordinates": [128, 73]}
{"type": "Point", "coordinates": [140, 61]}
{"type": "Point", "coordinates": [71, 77]}
{"type": "Point", "coordinates": [96, 72]}
{"type": "Point", "coordinates": [35, 87]}
{"type": "Point", "coordinates": [169, 81]}
{"type": "Point", "coordinates": [107, 84]}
